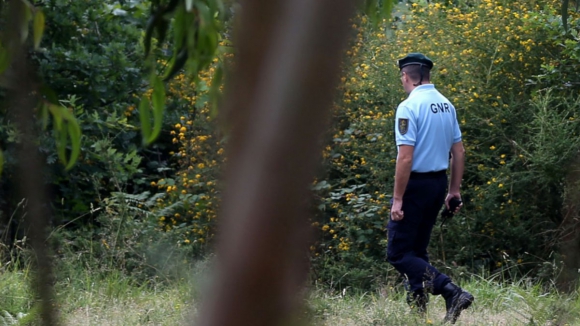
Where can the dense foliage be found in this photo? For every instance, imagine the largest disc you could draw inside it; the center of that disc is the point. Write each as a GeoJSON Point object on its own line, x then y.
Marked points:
{"type": "Point", "coordinates": [509, 67]}
{"type": "Point", "coordinates": [512, 73]}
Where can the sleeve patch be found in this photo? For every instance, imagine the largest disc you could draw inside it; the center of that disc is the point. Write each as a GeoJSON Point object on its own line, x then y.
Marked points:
{"type": "Point", "coordinates": [403, 126]}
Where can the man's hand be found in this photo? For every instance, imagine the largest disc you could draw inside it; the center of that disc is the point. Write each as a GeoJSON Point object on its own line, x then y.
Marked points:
{"type": "Point", "coordinates": [397, 210]}
{"type": "Point", "coordinates": [453, 195]}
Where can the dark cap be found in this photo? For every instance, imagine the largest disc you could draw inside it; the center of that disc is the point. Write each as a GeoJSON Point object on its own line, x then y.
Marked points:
{"type": "Point", "coordinates": [415, 59]}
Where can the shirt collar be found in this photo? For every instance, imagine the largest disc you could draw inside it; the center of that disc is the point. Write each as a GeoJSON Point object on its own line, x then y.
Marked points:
{"type": "Point", "coordinates": [421, 88]}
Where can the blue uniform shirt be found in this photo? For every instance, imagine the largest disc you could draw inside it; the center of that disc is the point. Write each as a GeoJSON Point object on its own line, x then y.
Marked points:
{"type": "Point", "coordinates": [427, 121]}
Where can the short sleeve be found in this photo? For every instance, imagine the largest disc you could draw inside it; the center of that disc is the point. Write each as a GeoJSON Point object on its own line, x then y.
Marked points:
{"type": "Point", "coordinates": [456, 130]}
{"type": "Point", "coordinates": [405, 126]}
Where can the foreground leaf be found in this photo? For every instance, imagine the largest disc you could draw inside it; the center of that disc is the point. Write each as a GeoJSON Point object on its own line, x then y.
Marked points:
{"type": "Point", "coordinates": [145, 117]}
{"type": "Point", "coordinates": [158, 108]}
{"type": "Point", "coordinates": [38, 28]}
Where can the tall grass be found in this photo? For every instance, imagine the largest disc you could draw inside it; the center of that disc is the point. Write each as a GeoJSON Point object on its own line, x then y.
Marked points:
{"type": "Point", "coordinates": [92, 289]}
{"type": "Point", "coordinates": [92, 296]}
{"type": "Point", "coordinates": [496, 303]}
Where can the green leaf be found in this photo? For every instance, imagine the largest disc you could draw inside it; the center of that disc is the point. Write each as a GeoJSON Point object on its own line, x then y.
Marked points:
{"type": "Point", "coordinates": [74, 131]}
{"type": "Point", "coordinates": [149, 34]}
{"type": "Point", "coordinates": [192, 24]}
{"type": "Point", "coordinates": [44, 115]}
{"type": "Point", "coordinates": [145, 117]}
{"type": "Point", "coordinates": [179, 28]}
{"type": "Point", "coordinates": [26, 17]}
{"type": "Point", "coordinates": [49, 94]}
{"type": "Point", "coordinates": [205, 16]}
{"type": "Point", "coordinates": [177, 63]}
{"type": "Point", "coordinates": [158, 98]}
{"type": "Point", "coordinates": [56, 115]}
{"type": "Point", "coordinates": [38, 28]}
{"type": "Point", "coordinates": [61, 140]}
{"type": "Point", "coordinates": [387, 8]}
{"type": "Point", "coordinates": [377, 10]}
{"type": "Point", "coordinates": [65, 127]}
{"type": "Point", "coordinates": [371, 9]}
{"type": "Point", "coordinates": [161, 28]}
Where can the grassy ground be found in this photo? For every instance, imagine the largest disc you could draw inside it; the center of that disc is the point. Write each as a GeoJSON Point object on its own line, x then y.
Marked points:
{"type": "Point", "coordinates": [89, 298]}
{"type": "Point", "coordinates": [515, 304]}
{"type": "Point", "coordinates": [97, 300]}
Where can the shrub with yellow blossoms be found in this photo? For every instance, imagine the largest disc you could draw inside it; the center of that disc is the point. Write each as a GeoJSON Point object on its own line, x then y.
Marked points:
{"type": "Point", "coordinates": [489, 58]}
{"type": "Point", "coordinates": [188, 208]}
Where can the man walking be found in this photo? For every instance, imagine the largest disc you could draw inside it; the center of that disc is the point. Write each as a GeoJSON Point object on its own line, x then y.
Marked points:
{"type": "Point", "coordinates": [428, 138]}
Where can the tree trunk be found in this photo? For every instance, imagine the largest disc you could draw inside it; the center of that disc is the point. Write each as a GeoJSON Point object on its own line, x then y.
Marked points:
{"type": "Point", "coordinates": [570, 230]}
{"type": "Point", "coordinates": [30, 170]}
{"type": "Point", "coordinates": [277, 107]}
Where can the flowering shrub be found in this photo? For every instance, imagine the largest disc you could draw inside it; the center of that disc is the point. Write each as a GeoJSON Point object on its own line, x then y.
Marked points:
{"type": "Point", "coordinates": [497, 61]}
{"type": "Point", "coordinates": [519, 137]}
{"type": "Point", "coordinates": [188, 207]}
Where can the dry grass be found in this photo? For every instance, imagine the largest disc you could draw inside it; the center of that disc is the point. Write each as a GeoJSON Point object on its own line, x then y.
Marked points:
{"type": "Point", "coordinates": [495, 304]}
{"type": "Point", "coordinates": [116, 299]}
{"type": "Point", "coordinates": [168, 307]}
{"type": "Point", "coordinates": [386, 311]}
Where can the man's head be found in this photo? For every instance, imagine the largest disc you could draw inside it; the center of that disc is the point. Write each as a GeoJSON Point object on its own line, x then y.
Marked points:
{"type": "Point", "coordinates": [415, 70]}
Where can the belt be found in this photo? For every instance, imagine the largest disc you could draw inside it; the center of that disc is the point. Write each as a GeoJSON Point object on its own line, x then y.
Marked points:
{"type": "Point", "coordinates": [427, 175]}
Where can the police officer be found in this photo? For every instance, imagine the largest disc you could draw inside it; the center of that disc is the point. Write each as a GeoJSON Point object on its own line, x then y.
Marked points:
{"type": "Point", "coordinates": [427, 132]}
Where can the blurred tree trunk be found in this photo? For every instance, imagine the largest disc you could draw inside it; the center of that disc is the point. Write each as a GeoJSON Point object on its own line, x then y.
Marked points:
{"type": "Point", "coordinates": [570, 231]}
{"type": "Point", "coordinates": [277, 106]}
{"type": "Point", "coordinates": [22, 101]}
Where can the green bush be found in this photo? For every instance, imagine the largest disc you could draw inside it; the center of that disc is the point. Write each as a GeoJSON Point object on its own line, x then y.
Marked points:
{"type": "Point", "coordinates": [519, 128]}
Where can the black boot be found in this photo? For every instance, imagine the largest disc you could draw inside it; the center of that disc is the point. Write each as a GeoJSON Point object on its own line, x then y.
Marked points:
{"type": "Point", "coordinates": [456, 300]}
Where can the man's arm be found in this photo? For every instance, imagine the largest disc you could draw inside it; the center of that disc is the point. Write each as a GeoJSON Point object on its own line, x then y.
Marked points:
{"type": "Point", "coordinates": [402, 173]}
{"type": "Point", "coordinates": [457, 167]}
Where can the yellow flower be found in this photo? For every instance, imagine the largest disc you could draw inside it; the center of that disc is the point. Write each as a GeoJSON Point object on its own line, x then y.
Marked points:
{"type": "Point", "coordinates": [492, 147]}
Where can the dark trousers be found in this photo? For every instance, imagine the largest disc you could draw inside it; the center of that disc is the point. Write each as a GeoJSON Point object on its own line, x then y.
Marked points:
{"type": "Point", "coordinates": [409, 238]}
